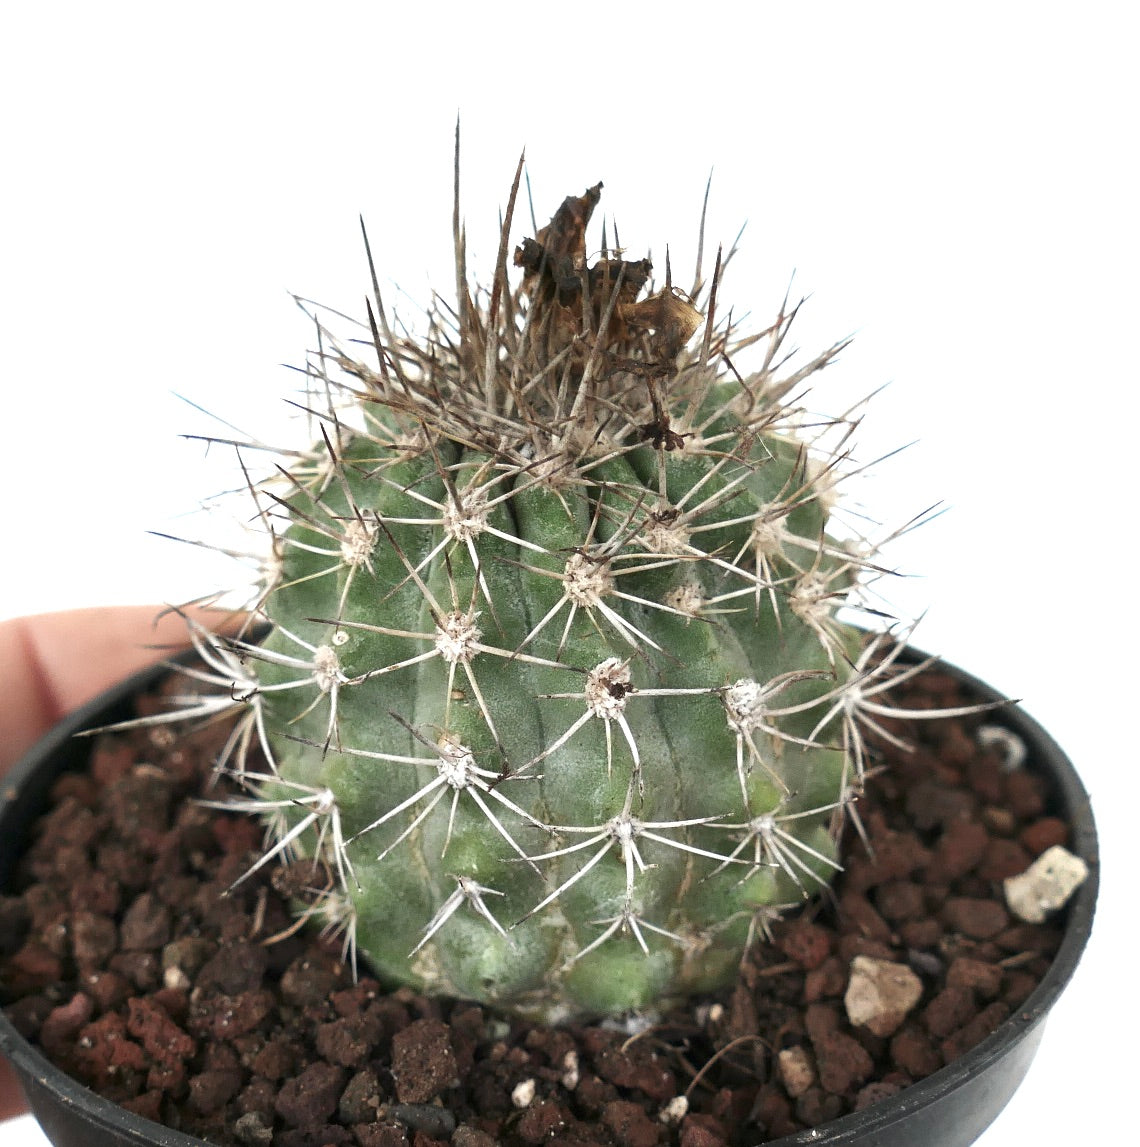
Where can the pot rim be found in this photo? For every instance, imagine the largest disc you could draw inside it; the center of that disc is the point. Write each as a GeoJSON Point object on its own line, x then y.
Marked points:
{"type": "Point", "coordinates": [22, 786]}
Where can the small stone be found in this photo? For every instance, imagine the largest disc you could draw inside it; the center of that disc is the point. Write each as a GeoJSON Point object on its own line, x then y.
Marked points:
{"type": "Point", "coordinates": [828, 981]}
{"type": "Point", "coordinates": [275, 1059]}
{"type": "Point", "coordinates": [797, 1072]}
{"type": "Point", "coordinates": [146, 925]}
{"type": "Point", "coordinates": [702, 1131]}
{"type": "Point", "coordinates": [948, 1011]}
{"type": "Point", "coordinates": [897, 855]}
{"type": "Point", "coordinates": [104, 1052]}
{"type": "Point", "coordinates": [972, 1034]}
{"type": "Point", "coordinates": [674, 1111]}
{"type": "Point", "coordinates": [382, 1135]}
{"type": "Point", "coordinates": [212, 1090]}
{"type": "Point", "coordinates": [345, 1041]}
{"type": "Point", "coordinates": [960, 850]}
{"type": "Point", "coordinates": [258, 1095]}
{"type": "Point", "coordinates": [94, 939]}
{"type": "Point", "coordinates": [148, 1105]}
{"type": "Point", "coordinates": [522, 1094]}
{"type": "Point", "coordinates": [59, 1029]}
{"type": "Point", "coordinates": [999, 820]}
{"type": "Point", "coordinates": [710, 1014]}
{"type": "Point", "coordinates": [923, 933]}
{"type": "Point", "coordinates": [1045, 885]}
{"type": "Point", "coordinates": [232, 969]}
{"type": "Point", "coordinates": [176, 979]}
{"type": "Point", "coordinates": [880, 994]}
{"type": "Point", "coordinates": [227, 1017]}
{"type": "Point", "coordinates": [637, 1068]}
{"type": "Point", "coordinates": [423, 1061]}
{"type": "Point", "coordinates": [913, 1052]}
{"type": "Point", "coordinates": [806, 943]}
{"type": "Point", "coordinates": [974, 917]}
{"type": "Point", "coordinates": [773, 1111]}
{"type": "Point", "coordinates": [467, 1136]}
{"type": "Point", "coordinates": [539, 1124]}
{"type": "Point", "coordinates": [252, 1129]}
{"type": "Point", "coordinates": [628, 1124]}
{"type": "Point", "coordinates": [852, 946]}
{"type": "Point", "coordinates": [931, 805]}
{"type": "Point", "coordinates": [875, 1093]}
{"type": "Point", "coordinates": [570, 1070]}
{"type": "Point", "coordinates": [860, 916]}
{"type": "Point", "coordinates": [899, 900]}
{"type": "Point", "coordinates": [925, 963]}
{"type": "Point", "coordinates": [311, 1097]}
{"type": "Point", "coordinates": [142, 969]}
{"type": "Point", "coordinates": [983, 979]}
{"type": "Point", "coordinates": [188, 953]}
{"type": "Point", "coordinates": [425, 1118]}
{"type": "Point", "coordinates": [150, 1023]}
{"type": "Point", "coordinates": [360, 1101]}
{"type": "Point", "coordinates": [1004, 858]}
{"type": "Point", "coordinates": [1043, 834]}
{"type": "Point", "coordinates": [592, 1094]}
{"type": "Point", "coordinates": [844, 1064]}
{"type": "Point", "coordinates": [323, 1135]}
{"type": "Point", "coordinates": [1025, 794]}
{"type": "Point", "coordinates": [1018, 987]}
{"type": "Point", "coordinates": [307, 982]}
{"type": "Point", "coordinates": [32, 967]}
{"type": "Point", "coordinates": [821, 1020]}
{"type": "Point", "coordinates": [107, 989]}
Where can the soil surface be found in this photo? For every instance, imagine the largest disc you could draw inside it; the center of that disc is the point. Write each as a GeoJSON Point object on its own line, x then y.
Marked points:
{"type": "Point", "coordinates": [121, 957]}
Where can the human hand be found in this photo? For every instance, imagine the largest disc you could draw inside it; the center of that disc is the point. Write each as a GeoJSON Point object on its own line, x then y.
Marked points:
{"type": "Point", "coordinates": [51, 664]}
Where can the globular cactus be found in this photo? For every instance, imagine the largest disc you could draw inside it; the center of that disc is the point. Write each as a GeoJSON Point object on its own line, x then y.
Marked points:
{"type": "Point", "coordinates": [554, 694]}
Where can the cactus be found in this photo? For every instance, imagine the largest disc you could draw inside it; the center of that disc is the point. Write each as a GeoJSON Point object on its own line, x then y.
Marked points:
{"type": "Point", "coordinates": [554, 695]}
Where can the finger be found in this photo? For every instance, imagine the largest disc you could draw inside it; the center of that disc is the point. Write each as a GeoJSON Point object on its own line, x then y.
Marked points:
{"type": "Point", "coordinates": [53, 662]}
{"type": "Point", "coordinates": [11, 1097]}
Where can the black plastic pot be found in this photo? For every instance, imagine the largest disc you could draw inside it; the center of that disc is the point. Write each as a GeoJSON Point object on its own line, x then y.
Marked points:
{"type": "Point", "coordinates": [948, 1109]}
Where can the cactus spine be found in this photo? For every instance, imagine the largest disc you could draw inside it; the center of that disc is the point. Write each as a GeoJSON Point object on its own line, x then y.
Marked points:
{"type": "Point", "coordinates": [554, 691]}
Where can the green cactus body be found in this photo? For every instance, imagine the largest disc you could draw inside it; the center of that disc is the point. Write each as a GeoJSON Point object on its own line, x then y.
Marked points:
{"type": "Point", "coordinates": [552, 634]}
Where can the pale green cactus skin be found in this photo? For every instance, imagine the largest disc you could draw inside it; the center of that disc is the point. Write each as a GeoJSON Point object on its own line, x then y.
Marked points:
{"type": "Point", "coordinates": [553, 634]}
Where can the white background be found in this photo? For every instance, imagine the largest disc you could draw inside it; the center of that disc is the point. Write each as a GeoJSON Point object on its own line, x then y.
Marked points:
{"type": "Point", "coordinates": [953, 183]}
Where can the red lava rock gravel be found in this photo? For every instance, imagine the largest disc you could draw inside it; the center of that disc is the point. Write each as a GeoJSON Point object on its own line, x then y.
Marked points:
{"type": "Point", "coordinates": [121, 957]}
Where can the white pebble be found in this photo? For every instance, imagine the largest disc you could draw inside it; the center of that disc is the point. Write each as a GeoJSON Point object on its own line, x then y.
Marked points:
{"type": "Point", "coordinates": [523, 1094]}
{"type": "Point", "coordinates": [674, 1111]}
{"type": "Point", "coordinates": [1008, 743]}
{"type": "Point", "coordinates": [175, 978]}
{"type": "Point", "coordinates": [570, 1073]}
{"type": "Point", "coordinates": [797, 1072]}
{"type": "Point", "coordinates": [1045, 885]}
{"type": "Point", "coordinates": [880, 994]}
